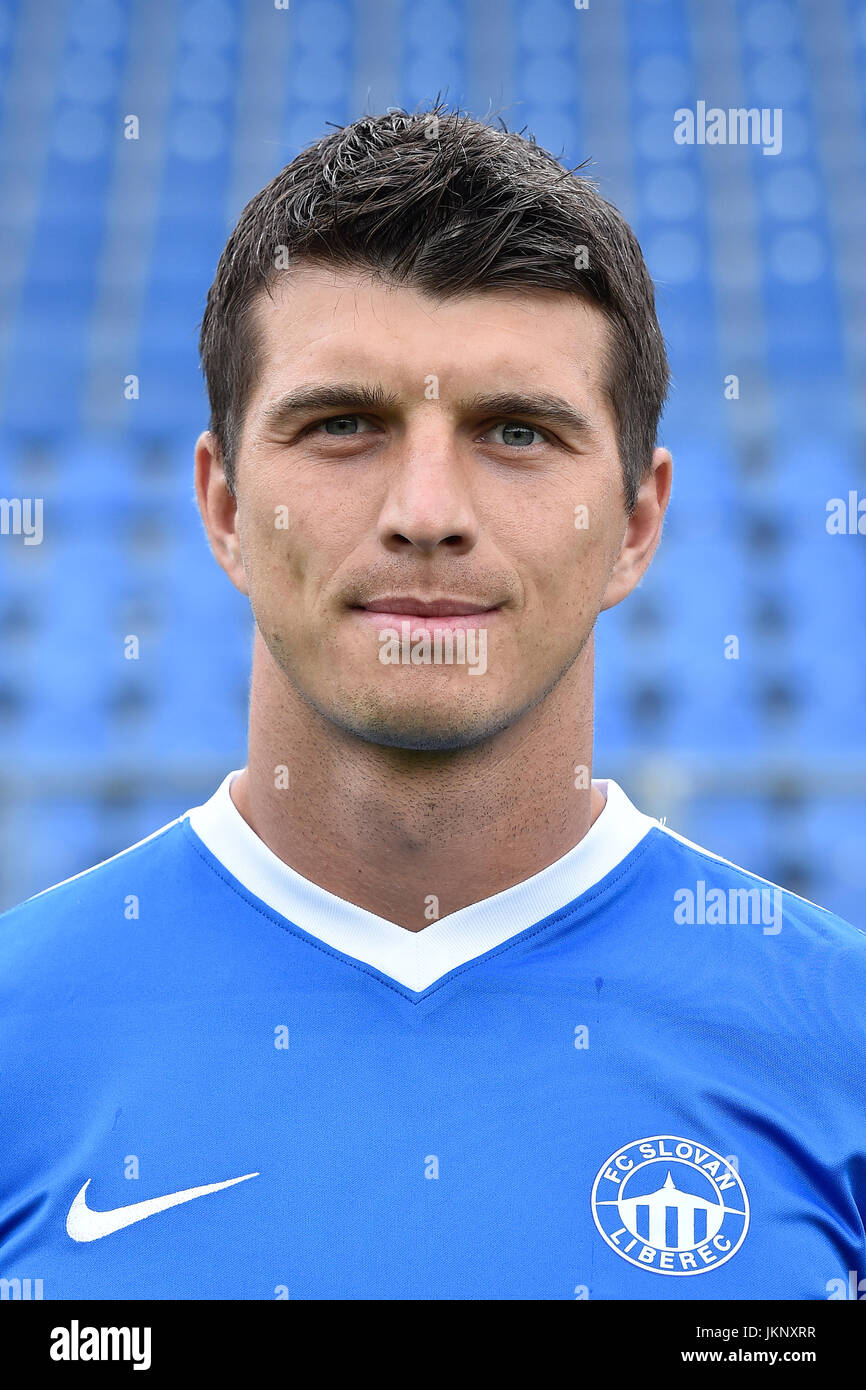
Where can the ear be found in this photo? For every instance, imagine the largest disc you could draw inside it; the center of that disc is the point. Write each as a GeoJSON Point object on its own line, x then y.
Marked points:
{"type": "Point", "coordinates": [643, 531]}
{"type": "Point", "coordinates": [219, 509]}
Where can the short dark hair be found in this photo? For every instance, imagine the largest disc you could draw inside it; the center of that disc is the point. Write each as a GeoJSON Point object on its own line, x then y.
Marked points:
{"type": "Point", "coordinates": [448, 205]}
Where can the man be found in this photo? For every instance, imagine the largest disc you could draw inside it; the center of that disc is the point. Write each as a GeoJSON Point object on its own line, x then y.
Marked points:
{"type": "Point", "coordinates": [412, 1008]}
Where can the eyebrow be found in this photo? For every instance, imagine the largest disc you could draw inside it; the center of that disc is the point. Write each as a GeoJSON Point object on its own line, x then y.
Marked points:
{"type": "Point", "coordinates": [351, 396]}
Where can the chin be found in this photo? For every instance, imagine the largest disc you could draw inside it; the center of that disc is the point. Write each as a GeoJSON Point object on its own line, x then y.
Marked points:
{"type": "Point", "coordinates": [422, 741]}
{"type": "Point", "coordinates": [420, 728]}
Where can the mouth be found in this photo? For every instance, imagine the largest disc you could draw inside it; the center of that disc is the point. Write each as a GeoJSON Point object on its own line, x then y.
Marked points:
{"type": "Point", "coordinates": [438, 613]}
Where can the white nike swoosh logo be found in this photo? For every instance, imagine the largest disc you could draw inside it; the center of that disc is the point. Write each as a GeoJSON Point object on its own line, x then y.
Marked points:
{"type": "Point", "coordinates": [84, 1224]}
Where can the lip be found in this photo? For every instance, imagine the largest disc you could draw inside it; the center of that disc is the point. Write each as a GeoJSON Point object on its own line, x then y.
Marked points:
{"type": "Point", "coordinates": [411, 607]}
{"type": "Point", "coordinates": [436, 613]}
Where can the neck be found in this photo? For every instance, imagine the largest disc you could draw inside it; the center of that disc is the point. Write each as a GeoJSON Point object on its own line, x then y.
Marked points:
{"type": "Point", "coordinates": [414, 836]}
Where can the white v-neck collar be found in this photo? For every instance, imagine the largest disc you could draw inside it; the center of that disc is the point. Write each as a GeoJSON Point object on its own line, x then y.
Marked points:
{"type": "Point", "coordinates": [418, 959]}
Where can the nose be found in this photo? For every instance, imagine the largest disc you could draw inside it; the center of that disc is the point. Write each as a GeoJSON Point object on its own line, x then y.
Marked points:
{"type": "Point", "coordinates": [430, 499]}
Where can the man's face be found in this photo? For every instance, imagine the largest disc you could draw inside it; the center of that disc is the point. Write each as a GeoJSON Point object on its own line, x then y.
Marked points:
{"type": "Point", "coordinates": [431, 492]}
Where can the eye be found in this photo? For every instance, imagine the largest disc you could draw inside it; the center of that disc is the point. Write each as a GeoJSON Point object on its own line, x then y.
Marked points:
{"type": "Point", "coordinates": [344, 425]}
{"type": "Point", "coordinates": [518, 435]}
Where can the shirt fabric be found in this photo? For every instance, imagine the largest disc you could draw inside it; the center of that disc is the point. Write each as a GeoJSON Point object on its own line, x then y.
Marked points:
{"type": "Point", "coordinates": [637, 1074]}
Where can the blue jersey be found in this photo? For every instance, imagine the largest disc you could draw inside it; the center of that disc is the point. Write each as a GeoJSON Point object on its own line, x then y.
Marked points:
{"type": "Point", "coordinates": [638, 1074]}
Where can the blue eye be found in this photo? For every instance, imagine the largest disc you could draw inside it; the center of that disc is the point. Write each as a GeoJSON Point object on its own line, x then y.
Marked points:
{"type": "Point", "coordinates": [512, 427]}
{"type": "Point", "coordinates": [340, 420]}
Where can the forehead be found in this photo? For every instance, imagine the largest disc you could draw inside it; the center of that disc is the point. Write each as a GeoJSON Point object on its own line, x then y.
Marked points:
{"type": "Point", "coordinates": [317, 319]}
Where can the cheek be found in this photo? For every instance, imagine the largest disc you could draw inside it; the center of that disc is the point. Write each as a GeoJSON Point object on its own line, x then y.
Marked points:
{"type": "Point", "coordinates": [274, 520]}
{"type": "Point", "coordinates": [575, 554]}
{"type": "Point", "coordinates": [270, 539]}
{"type": "Point", "coordinates": [569, 579]}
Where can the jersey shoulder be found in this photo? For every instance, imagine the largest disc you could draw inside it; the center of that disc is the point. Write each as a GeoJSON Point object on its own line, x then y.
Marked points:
{"type": "Point", "coordinates": [714, 889]}
{"type": "Point", "coordinates": [92, 898]}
